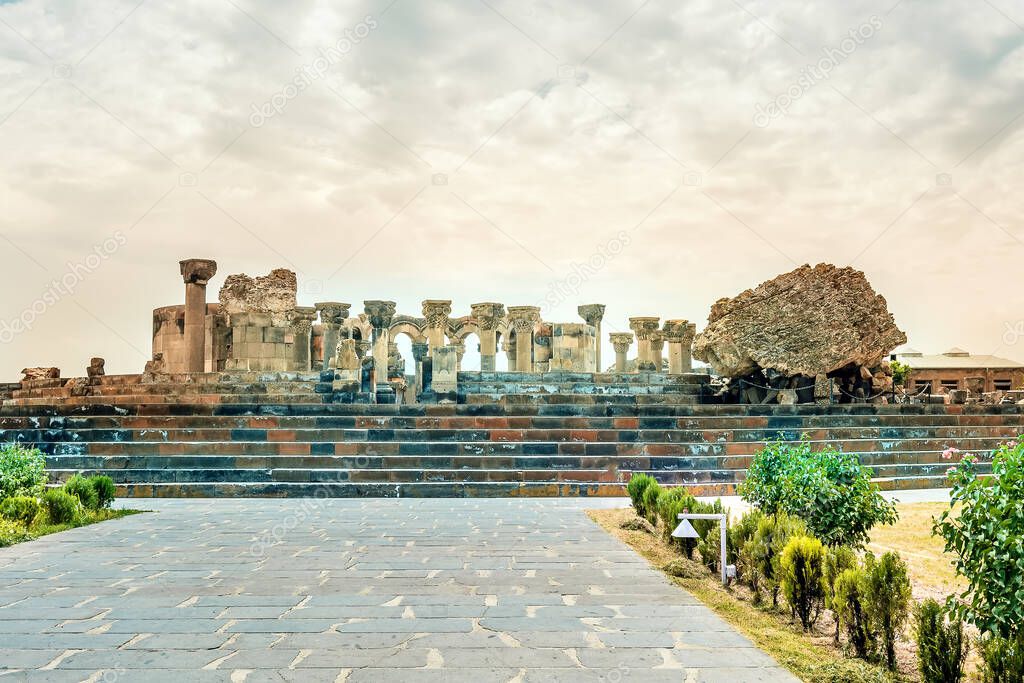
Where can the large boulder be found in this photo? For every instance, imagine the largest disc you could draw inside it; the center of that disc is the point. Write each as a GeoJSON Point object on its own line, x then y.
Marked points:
{"type": "Point", "coordinates": [809, 322]}
{"type": "Point", "coordinates": [274, 294]}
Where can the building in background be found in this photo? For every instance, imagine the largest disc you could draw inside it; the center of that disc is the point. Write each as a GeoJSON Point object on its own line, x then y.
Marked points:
{"type": "Point", "coordinates": [959, 369]}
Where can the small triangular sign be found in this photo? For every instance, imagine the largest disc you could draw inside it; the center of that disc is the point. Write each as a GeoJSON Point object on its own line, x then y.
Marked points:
{"type": "Point", "coordinates": [685, 530]}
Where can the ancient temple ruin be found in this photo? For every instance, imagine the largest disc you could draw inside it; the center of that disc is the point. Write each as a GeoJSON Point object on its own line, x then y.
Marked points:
{"type": "Point", "coordinates": [256, 325]}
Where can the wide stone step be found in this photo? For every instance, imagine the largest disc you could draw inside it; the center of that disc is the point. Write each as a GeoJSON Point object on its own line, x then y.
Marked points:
{"type": "Point", "coordinates": [559, 430]}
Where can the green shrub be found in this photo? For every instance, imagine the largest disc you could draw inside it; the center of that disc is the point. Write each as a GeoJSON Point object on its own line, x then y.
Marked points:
{"type": "Point", "coordinates": [739, 535]}
{"type": "Point", "coordinates": [837, 560]}
{"type": "Point", "coordinates": [1003, 659]}
{"type": "Point", "coordinates": [830, 490]}
{"type": "Point", "coordinates": [22, 471]}
{"type": "Point", "coordinates": [671, 504]}
{"type": "Point", "coordinates": [650, 501]}
{"type": "Point", "coordinates": [21, 509]}
{"type": "Point", "coordinates": [79, 487]}
{"type": "Point", "coordinates": [11, 532]}
{"type": "Point", "coordinates": [850, 603]}
{"type": "Point", "coordinates": [801, 565]}
{"type": "Point", "coordinates": [887, 597]}
{"type": "Point", "coordinates": [762, 552]}
{"type": "Point", "coordinates": [61, 506]}
{"type": "Point", "coordinates": [941, 645]}
{"type": "Point", "coordinates": [635, 488]}
{"type": "Point", "coordinates": [105, 490]}
{"type": "Point", "coordinates": [986, 538]}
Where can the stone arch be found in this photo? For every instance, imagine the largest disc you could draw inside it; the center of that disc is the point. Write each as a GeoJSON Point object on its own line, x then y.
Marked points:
{"type": "Point", "coordinates": [407, 327]}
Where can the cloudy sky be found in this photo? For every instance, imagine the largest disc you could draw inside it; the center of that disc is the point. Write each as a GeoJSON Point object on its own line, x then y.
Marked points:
{"type": "Point", "coordinates": [648, 154]}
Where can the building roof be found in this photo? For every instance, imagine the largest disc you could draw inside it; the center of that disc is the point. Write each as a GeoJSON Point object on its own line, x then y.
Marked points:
{"type": "Point", "coordinates": [953, 359]}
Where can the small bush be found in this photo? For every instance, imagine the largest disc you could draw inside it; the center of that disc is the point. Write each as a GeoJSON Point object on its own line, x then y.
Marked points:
{"type": "Point", "coordinates": [941, 646]}
{"type": "Point", "coordinates": [637, 524]}
{"type": "Point", "coordinates": [11, 532]}
{"type": "Point", "coordinates": [685, 569]}
{"type": "Point", "coordinates": [985, 534]}
{"type": "Point", "coordinates": [837, 561]}
{"type": "Point", "coordinates": [1003, 659]}
{"type": "Point", "coordinates": [79, 487]}
{"type": "Point", "coordinates": [650, 502]}
{"type": "Point", "coordinates": [105, 490]}
{"type": "Point", "coordinates": [801, 566]}
{"type": "Point", "coordinates": [22, 471]}
{"type": "Point", "coordinates": [61, 506]}
{"type": "Point", "coordinates": [762, 552]}
{"type": "Point", "coordinates": [850, 603]}
{"type": "Point", "coordinates": [672, 503]}
{"type": "Point", "coordinates": [635, 488]}
{"type": "Point", "coordinates": [739, 535]}
{"type": "Point", "coordinates": [887, 598]}
{"type": "Point", "coordinates": [709, 545]}
{"type": "Point", "coordinates": [828, 489]}
{"type": "Point", "coordinates": [21, 509]}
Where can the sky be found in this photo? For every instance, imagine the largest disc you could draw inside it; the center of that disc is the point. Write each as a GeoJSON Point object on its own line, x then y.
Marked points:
{"type": "Point", "coordinates": [651, 155]}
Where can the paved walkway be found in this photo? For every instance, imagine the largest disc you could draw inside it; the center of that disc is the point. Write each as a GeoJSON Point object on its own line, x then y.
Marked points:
{"type": "Point", "coordinates": [368, 590]}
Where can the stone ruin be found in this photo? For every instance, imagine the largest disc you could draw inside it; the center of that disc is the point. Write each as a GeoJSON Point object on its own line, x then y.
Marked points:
{"type": "Point", "coordinates": [814, 334]}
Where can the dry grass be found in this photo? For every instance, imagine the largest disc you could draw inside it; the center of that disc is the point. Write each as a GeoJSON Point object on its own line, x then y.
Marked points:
{"type": "Point", "coordinates": [931, 569]}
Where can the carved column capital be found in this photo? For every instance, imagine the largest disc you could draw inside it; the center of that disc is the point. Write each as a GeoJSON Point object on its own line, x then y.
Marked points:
{"type": "Point", "coordinates": [301, 319]}
{"type": "Point", "coordinates": [487, 315]}
{"type": "Point", "coordinates": [674, 330]}
{"type": "Point", "coordinates": [420, 351]}
{"type": "Point", "coordinates": [523, 318]}
{"type": "Point", "coordinates": [197, 271]}
{"type": "Point", "coordinates": [379, 313]}
{"type": "Point", "coordinates": [436, 312]}
{"type": "Point", "coordinates": [333, 313]}
{"type": "Point", "coordinates": [593, 314]}
{"type": "Point", "coordinates": [644, 327]}
{"type": "Point", "coordinates": [621, 341]}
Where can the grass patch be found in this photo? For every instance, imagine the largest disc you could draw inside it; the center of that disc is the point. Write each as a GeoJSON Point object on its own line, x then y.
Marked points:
{"type": "Point", "coordinates": [13, 532]}
{"type": "Point", "coordinates": [931, 569]}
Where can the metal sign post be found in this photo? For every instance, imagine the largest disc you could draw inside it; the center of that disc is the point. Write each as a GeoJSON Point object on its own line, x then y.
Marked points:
{"type": "Point", "coordinates": [686, 530]}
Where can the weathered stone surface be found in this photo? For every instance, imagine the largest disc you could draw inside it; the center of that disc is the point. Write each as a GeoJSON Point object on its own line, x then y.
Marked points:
{"type": "Point", "coordinates": [40, 373]}
{"type": "Point", "coordinates": [807, 322]}
{"type": "Point", "coordinates": [96, 368]}
{"type": "Point", "coordinates": [274, 294]}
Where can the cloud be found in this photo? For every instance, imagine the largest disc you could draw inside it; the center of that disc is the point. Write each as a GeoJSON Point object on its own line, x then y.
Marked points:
{"type": "Point", "coordinates": [556, 126]}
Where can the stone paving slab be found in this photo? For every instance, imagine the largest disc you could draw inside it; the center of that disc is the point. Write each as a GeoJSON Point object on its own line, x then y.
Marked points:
{"type": "Point", "coordinates": [356, 590]}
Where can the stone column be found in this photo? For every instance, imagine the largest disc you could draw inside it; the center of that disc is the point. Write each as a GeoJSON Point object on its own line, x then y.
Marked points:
{"type": "Point", "coordinates": [460, 351]}
{"type": "Point", "coordinates": [644, 327]}
{"type": "Point", "coordinates": [621, 341]}
{"type": "Point", "coordinates": [657, 346]}
{"type": "Point", "coordinates": [332, 317]}
{"type": "Point", "coordinates": [419, 354]}
{"type": "Point", "coordinates": [196, 273]}
{"type": "Point", "coordinates": [380, 314]}
{"type": "Point", "coordinates": [510, 350]}
{"type": "Point", "coordinates": [523, 319]}
{"type": "Point", "coordinates": [593, 314]}
{"type": "Point", "coordinates": [488, 316]}
{"type": "Point", "coordinates": [680, 334]}
{"type": "Point", "coordinates": [436, 313]}
{"type": "Point", "coordinates": [301, 322]}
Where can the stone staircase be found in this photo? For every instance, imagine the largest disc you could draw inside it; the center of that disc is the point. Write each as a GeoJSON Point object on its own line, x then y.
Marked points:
{"type": "Point", "coordinates": [252, 441]}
